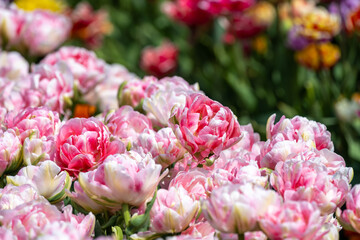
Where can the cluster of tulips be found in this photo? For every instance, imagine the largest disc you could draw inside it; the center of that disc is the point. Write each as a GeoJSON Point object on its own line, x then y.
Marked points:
{"type": "Point", "coordinates": [159, 160]}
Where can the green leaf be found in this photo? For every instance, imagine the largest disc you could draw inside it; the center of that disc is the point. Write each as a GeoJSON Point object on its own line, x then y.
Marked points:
{"type": "Point", "coordinates": [354, 150]}
{"type": "Point", "coordinates": [98, 231]}
{"type": "Point", "coordinates": [244, 91]}
{"type": "Point", "coordinates": [141, 223]}
{"type": "Point", "coordinates": [118, 233]}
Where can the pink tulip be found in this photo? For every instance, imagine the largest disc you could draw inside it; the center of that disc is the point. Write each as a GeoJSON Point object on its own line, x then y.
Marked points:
{"type": "Point", "coordinates": [350, 217]}
{"type": "Point", "coordinates": [236, 208]}
{"type": "Point", "coordinates": [122, 179]}
{"type": "Point", "coordinates": [31, 219]}
{"type": "Point", "coordinates": [164, 95]}
{"type": "Point", "coordinates": [80, 198]}
{"type": "Point", "coordinates": [279, 150]}
{"type": "Point", "coordinates": [84, 224]}
{"type": "Point", "coordinates": [84, 143]}
{"type": "Point", "coordinates": [257, 235]}
{"type": "Point", "coordinates": [42, 120]}
{"type": "Point", "coordinates": [127, 124]}
{"type": "Point", "coordinates": [187, 12]}
{"type": "Point", "coordinates": [13, 196]}
{"type": "Point", "coordinates": [293, 220]}
{"type": "Point", "coordinates": [217, 7]}
{"type": "Point", "coordinates": [300, 129]}
{"type": "Point", "coordinates": [193, 181]}
{"type": "Point", "coordinates": [37, 129]}
{"type": "Point", "coordinates": [61, 230]}
{"type": "Point", "coordinates": [10, 96]}
{"type": "Point", "coordinates": [87, 69]}
{"type": "Point", "coordinates": [10, 150]}
{"type": "Point", "coordinates": [46, 178]}
{"type": "Point", "coordinates": [134, 91]}
{"type": "Point", "coordinates": [309, 181]}
{"type": "Point", "coordinates": [12, 23]}
{"type": "Point", "coordinates": [205, 127]}
{"type": "Point", "coordinates": [105, 93]}
{"type": "Point", "coordinates": [54, 85]}
{"type": "Point", "coordinates": [160, 61]}
{"type": "Point", "coordinates": [13, 66]}
{"type": "Point", "coordinates": [200, 230]}
{"type": "Point", "coordinates": [163, 146]}
{"type": "Point", "coordinates": [173, 210]}
{"type": "Point", "coordinates": [44, 31]}
{"type": "Point", "coordinates": [38, 149]}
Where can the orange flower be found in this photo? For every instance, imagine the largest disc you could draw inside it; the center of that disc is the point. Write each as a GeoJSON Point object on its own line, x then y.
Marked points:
{"type": "Point", "coordinates": [316, 56]}
{"type": "Point", "coordinates": [84, 110]}
{"type": "Point", "coordinates": [260, 44]}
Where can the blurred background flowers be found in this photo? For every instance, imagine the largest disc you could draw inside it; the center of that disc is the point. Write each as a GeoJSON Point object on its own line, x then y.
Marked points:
{"type": "Point", "coordinates": [296, 57]}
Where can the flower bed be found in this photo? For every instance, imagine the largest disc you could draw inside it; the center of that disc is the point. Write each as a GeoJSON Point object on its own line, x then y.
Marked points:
{"type": "Point", "coordinates": [167, 162]}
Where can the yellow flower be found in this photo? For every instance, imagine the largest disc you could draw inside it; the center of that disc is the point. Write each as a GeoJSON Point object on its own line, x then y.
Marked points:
{"type": "Point", "coordinates": [51, 5]}
{"type": "Point", "coordinates": [330, 54]}
{"type": "Point", "coordinates": [316, 56]}
{"type": "Point", "coordinates": [260, 44]}
{"type": "Point", "coordinates": [318, 24]}
{"type": "Point", "coordinates": [263, 12]}
{"type": "Point", "coordinates": [308, 57]}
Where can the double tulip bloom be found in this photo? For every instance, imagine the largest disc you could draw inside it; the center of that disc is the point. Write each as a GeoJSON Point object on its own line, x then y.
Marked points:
{"type": "Point", "coordinates": [125, 178]}
{"type": "Point", "coordinates": [83, 144]}
{"type": "Point", "coordinates": [205, 127]}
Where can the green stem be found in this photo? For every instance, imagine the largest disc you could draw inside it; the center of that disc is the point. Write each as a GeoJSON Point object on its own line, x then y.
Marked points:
{"type": "Point", "coordinates": [126, 213]}
{"type": "Point", "coordinates": [241, 236]}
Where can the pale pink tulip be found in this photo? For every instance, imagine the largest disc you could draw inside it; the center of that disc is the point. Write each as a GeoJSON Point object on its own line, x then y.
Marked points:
{"type": "Point", "coordinates": [163, 146]}
{"type": "Point", "coordinates": [12, 23]}
{"type": "Point", "coordinates": [309, 181]}
{"type": "Point", "coordinates": [134, 91]}
{"type": "Point", "coordinates": [300, 129]}
{"type": "Point", "coordinates": [280, 150]}
{"type": "Point", "coordinates": [293, 220]}
{"type": "Point", "coordinates": [236, 208]}
{"type": "Point", "coordinates": [122, 179]}
{"type": "Point", "coordinates": [84, 143]}
{"type": "Point", "coordinates": [193, 181]}
{"type": "Point", "coordinates": [38, 149]}
{"type": "Point", "coordinates": [54, 84]}
{"type": "Point", "coordinates": [205, 127]}
{"type": "Point", "coordinates": [350, 217]}
{"type": "Point", "coordinates": [10, 96]}
{"type": "Point", "coordinates": [127, 124]}
{"type": "Point", "coordinates": [87, 69]}
{"type": "Point", "coordinates": [46, 178]}
{"type": "Point", "coordinates": [44, 31]}
{"type": "Point", "coordinates": [105, 93]}
{"type": "Point", "coordinates": [201, 230]}
{"type": "Point", "coordinates": [10, 150]}
{"type": "Point", "coordinates": [61, 230]}
{"type": "Point", "coordinates": [29, 220]}
{"type": "Point", "coordinates": [85, 224]}
{"type": "Point", "coordinates": [80, 198]}
{"type": "Point", "coordinates": [42, 120]}
{"type": "Point", "coordinates": [13, 196]}
{"type": "Point", "coordinates": [166, 94]}
{"type": "Point", "coordinates": [173, 210]}
{"type": "Point", "coordinates": [13, 66]}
